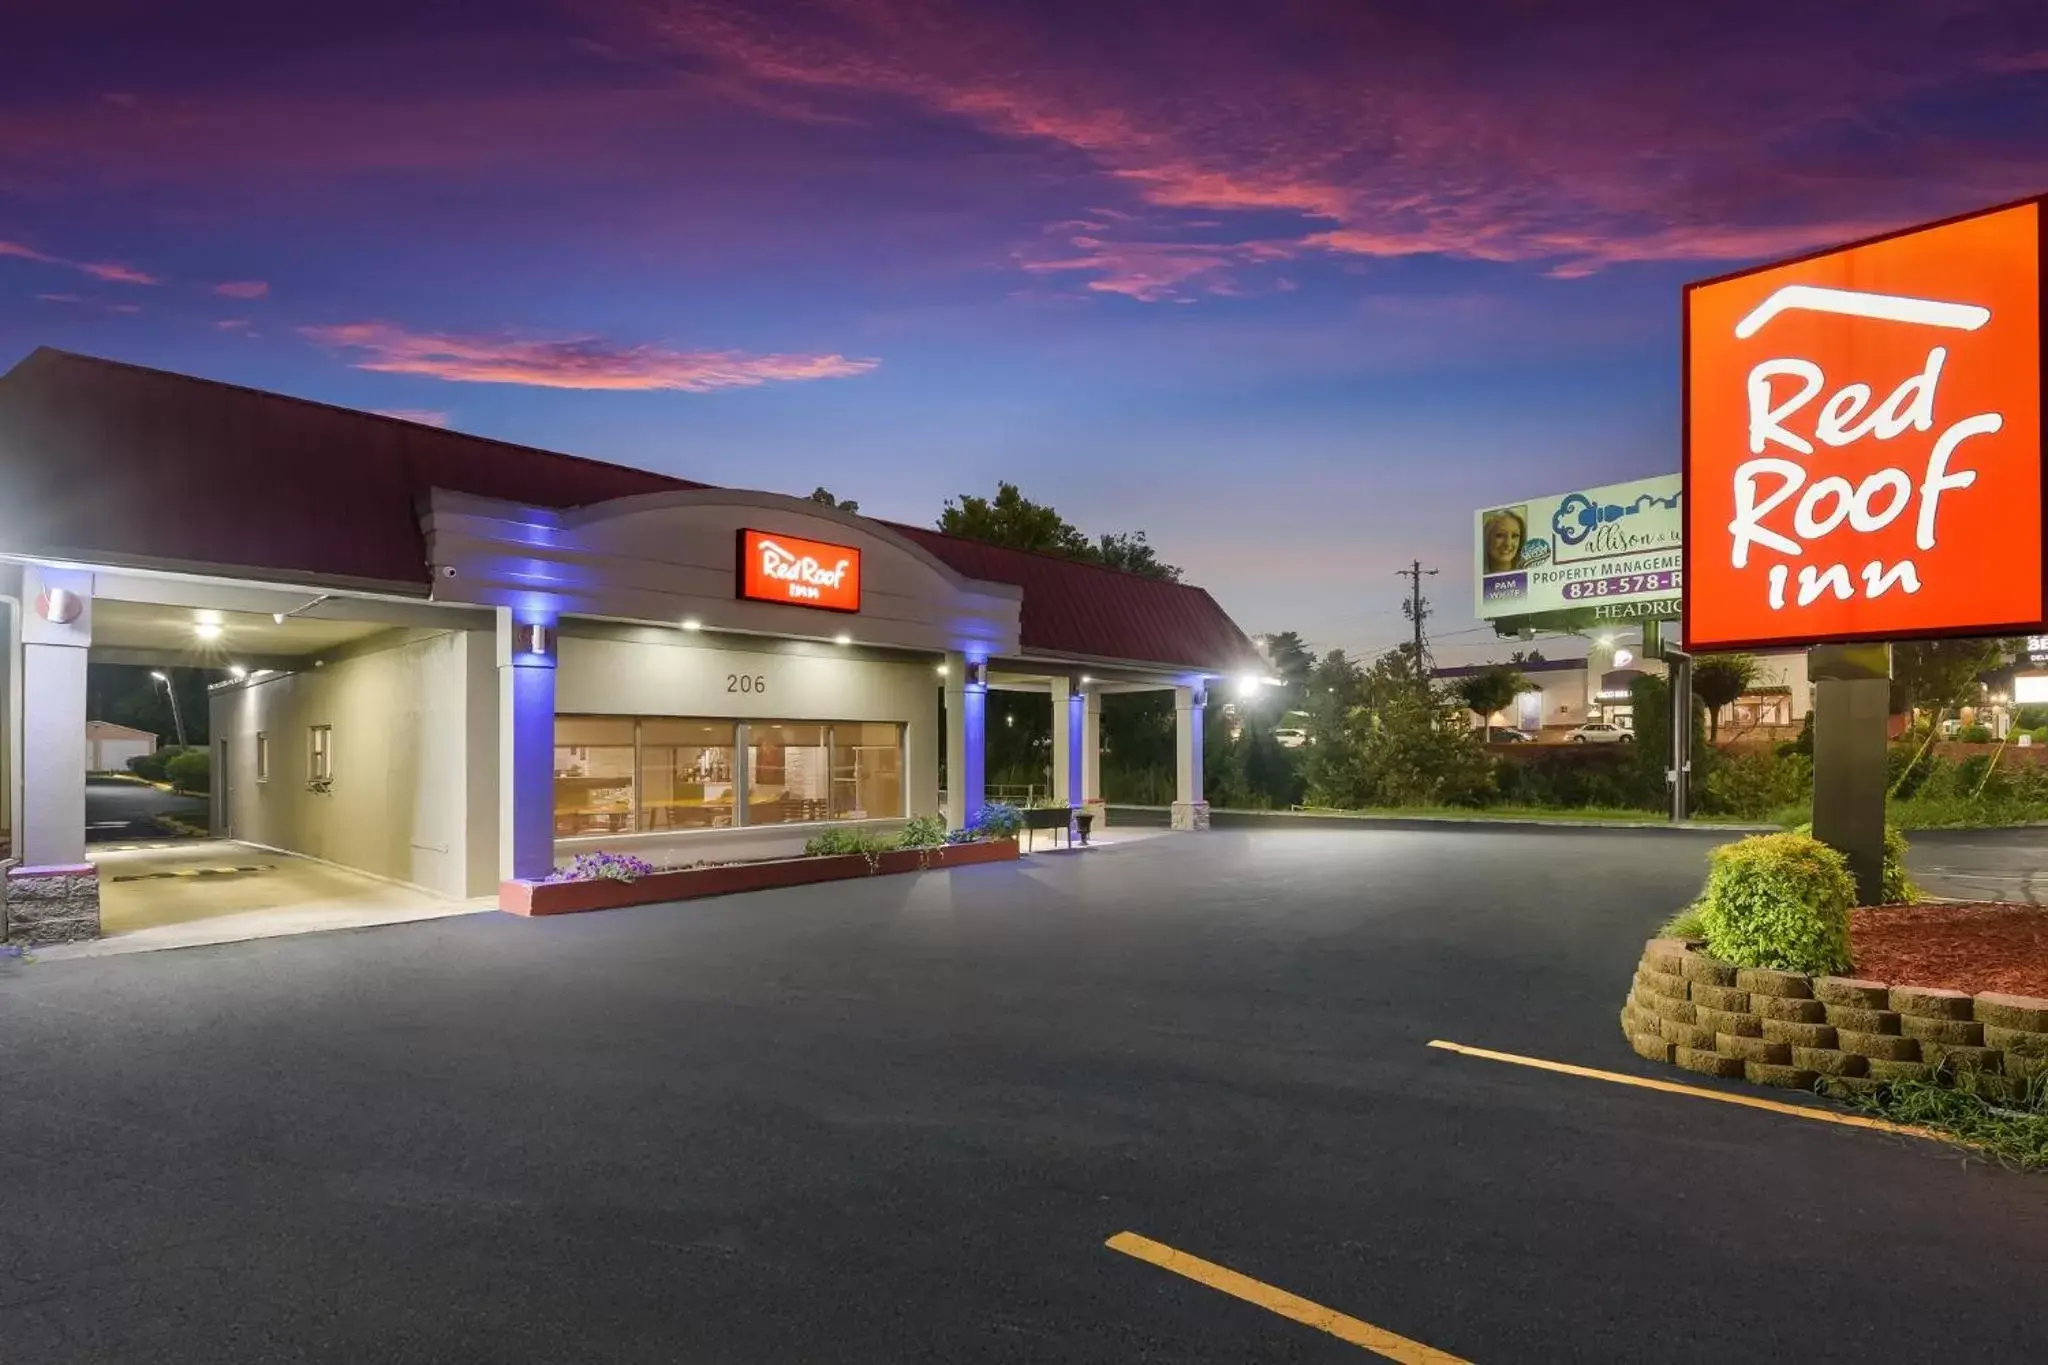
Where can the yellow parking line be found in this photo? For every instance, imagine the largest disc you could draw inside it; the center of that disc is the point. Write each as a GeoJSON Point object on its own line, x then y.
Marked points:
{"type": "Point", "coordinates": [1798, 1111]}
{"type": "Point", "coordinates": [1375, 1339]}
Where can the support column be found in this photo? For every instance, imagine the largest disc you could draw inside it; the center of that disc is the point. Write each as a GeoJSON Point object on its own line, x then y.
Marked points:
{"type": "Point", "coordinates": [54, 895]}
{"type": "Point", "coordinates": [526, 744]}
{"type": "Point", "coordinates": [1190, 811]}
{"type": "Point", "coordinates": [1851, 708]}
{"type": "Point", "coordinates": [1091, 754]}
{"type": "Point", "coordinates": [966, 735]}
{"type": "Point", "coordinates": [1066, 769]}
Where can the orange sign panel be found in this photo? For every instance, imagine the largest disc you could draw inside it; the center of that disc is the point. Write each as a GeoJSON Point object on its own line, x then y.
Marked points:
{"type": "Point", "coordinates": [1863, 441]}
{"type": "Point", "coordinates": [804, 573]}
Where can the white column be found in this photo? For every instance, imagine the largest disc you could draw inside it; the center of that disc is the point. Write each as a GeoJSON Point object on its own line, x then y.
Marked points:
{"type": "Point", "coordinates": [1190, 811]}
{"type": "Point", "coordinates": [1064, 771]}
{"type": "Point", "coordinates": [966, 727]}
{"type": "Point", "coordinates": [53, 658]}
{"type": "Point", "coordinates": [526, 745]}
{"type": "Point", "coordinates": [1091, 754]}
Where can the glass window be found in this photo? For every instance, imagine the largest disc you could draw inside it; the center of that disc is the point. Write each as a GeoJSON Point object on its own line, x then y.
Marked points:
{"type": "Point", "coordinates": [686, 777]}
{"type": "Point", "coordinates": [867, 771]}
{"type": "Point", "coordinates": [262, 757]}
{"type": "Point", "coordinates": [320, 753]}
{"type": "Point", "coordinates": [593, 775]}
{"type": "Point", "coordinates": [787, 774]}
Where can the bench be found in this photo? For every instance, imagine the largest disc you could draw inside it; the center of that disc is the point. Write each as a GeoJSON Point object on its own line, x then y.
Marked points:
{"type": "Point", "coordinates": [1047, 817]}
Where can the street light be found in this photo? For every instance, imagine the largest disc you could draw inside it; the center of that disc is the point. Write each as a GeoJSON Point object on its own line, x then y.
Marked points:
{"type": "Point", "coordinates": [177, 716]}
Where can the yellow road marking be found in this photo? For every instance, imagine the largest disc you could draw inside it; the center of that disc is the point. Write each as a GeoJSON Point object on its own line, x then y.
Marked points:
{"type": "Point", "coordinates": [1375, 1339]}
{"type": "Point", "coordinates": [1799, 1111]}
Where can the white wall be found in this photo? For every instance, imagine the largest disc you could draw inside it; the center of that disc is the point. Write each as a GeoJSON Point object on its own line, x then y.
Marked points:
{"type": "Point", "coordinates": [110, 754]}
{"type": "Point", "coordinates": [652, 672]}
{"type": "Point", "coordinates": [413, 791]}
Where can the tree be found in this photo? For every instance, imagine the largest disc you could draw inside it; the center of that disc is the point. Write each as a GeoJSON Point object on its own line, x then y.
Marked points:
{"type": "Point", "coordinates": [1942, 673]}
{"type": "Point", "coordinates": [1717, 680]}
{"type": "Point", "coordinates": [824, 495]}
{"type": "Point", "coordinates": [1129, 552]}
{"type": "Point", "coordinates": [1292, 662]}
{"type": "Point", "coordinates": [1490, 690]}
{"type": "Point", "coordinates": [1012, 520]}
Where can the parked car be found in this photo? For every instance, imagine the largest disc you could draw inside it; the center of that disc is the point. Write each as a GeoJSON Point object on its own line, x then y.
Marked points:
{"type": "Point", "coordinates": [1508, 734]}
{"type": "Point", "coordinates": [1600, 732]}
{"type": "Point", "coordinates": [1291, 738]}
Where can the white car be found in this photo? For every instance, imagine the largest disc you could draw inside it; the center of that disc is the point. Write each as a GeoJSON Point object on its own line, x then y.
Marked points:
{"type": "Point", "coordinates": [1291, 738]}
{"type": "Point", "coordinates": [1600, 732]}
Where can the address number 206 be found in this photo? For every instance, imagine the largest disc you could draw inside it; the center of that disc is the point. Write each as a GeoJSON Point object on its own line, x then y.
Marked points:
{"type": "Point", "coordinates": [746, 682]}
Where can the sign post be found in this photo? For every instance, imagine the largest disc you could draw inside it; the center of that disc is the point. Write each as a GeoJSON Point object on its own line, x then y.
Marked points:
{"type": "Point", "coordinates": [1863, 464]}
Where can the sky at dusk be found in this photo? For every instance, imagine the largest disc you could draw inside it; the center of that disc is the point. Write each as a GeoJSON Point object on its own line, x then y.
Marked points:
{"type": "Point", "coordinates": [1293, 287]}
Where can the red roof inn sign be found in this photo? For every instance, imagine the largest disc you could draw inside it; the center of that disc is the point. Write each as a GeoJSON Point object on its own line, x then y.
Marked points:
{"type": "Point", "coordinates": [1863, 455]}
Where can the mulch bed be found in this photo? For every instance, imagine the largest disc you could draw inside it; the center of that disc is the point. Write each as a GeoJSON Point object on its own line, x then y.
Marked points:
{"type": "Point", "coordinates": [1976, 947]}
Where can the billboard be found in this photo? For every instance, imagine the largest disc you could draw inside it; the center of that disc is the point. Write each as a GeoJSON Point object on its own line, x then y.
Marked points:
{"type": "Point", "coordinates": [1863, 441]}
{"type": "Point", "coordinates": [804, 573]}
{"type": "Point", "coordinates": [1611, 551]}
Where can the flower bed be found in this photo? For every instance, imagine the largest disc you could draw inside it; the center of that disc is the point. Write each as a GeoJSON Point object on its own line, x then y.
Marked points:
{"type": "Point", "coordinates": [573, 896]}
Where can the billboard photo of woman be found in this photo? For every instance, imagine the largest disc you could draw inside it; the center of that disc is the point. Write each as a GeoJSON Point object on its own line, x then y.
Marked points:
{"type": "Point", "coordinates": [1502, 535]}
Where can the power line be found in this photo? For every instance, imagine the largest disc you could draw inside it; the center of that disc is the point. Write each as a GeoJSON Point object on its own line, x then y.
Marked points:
{"type": "Point", "coordinates": [1417, 609]}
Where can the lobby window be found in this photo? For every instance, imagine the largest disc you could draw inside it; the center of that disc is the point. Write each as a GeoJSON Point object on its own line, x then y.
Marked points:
{"type": "Point", "coordinates": [593, 775]}
{"type": "Point", "coordinates": [320, 753]}
{"type": "Point", "coordinates": [686, 774]}
{"type": "Point", "coordinates": [788, 772]}
{"type": "Point", "coordinates": [867, 771]}
{"type": "Point", "coordinates": [262, 757]}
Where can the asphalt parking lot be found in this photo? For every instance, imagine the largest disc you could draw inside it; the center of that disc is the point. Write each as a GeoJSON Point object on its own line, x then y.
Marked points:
{"type": "Point", "coordinates": [897, 1120]}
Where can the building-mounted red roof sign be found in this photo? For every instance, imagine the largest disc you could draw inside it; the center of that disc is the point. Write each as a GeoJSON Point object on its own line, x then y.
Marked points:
{"type": "Point", "coordinates": [798, 572]}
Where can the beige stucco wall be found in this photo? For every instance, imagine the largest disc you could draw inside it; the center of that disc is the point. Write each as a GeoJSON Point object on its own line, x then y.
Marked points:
{"type": "Point", "coordinates": [414, 790]}
{"type": "Point", "coordinates": [654, 672]}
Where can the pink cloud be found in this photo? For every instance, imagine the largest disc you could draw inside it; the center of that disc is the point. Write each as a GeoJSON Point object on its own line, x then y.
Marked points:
{"type": "Point", "coordinates": [114, 272]}
{"type": "Point", "coordinates": [60, 298]}
{"type": "Point", "coordinates": [110, 271]}
{"type": "Point", "coordinates": [426, 417]}
{"type": "Point", "coordinates": [242, 289]}
{"type": "Point", "coordinates": [581, 362]}
{"type": "Point", "coordinates": [1505, 134]}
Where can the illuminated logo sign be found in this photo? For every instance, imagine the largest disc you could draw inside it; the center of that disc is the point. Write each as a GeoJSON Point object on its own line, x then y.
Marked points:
{"type": "Point", "coordinates": [804, 573]}
{"type": "Point", "coordinates": [1863, 441]}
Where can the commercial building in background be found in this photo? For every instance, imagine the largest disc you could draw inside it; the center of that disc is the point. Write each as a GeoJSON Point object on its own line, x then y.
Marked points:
{"type": "Point", "coordinates": [1567, 693]}
{"type": "Point", "coordinates": [109, 747]}
{"type": "Point", "coordinates": [458, 660]}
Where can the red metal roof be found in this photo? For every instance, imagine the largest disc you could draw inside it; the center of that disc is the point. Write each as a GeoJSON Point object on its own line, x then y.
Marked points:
{"type": "Point", "coordinates": [115, 463]}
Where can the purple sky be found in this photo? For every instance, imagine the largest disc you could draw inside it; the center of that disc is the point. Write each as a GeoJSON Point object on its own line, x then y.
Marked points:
{"type": "Point", "coordinates": [1292, 286]}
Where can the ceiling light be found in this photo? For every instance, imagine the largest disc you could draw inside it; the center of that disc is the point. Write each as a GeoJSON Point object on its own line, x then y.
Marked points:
{"type": "Point", "coordinates": [237, 671]}
{"type": "Point", "coordinates": [842, 639]}
{"type": "Point", "coordinates": [692, 623]}
{"type": "Point", "coordinates": [942, 670]}
{"type": "Point", "coordinates": [206, 630]}
{"type": "Point", "coordinates": [1085, 680]}
{"type": "Point", "coordinates": [278, 617]}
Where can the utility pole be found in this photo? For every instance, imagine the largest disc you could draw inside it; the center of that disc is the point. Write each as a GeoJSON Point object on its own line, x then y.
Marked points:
{"type": "Point", "coordinates": [1417, 609]}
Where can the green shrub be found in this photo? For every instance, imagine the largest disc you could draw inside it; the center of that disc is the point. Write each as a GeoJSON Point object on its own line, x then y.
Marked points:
{"type": "Point", "coordinates": [189, 771]}
{"type": "Point", "coordinates": [1755, 783]}
{"type": "Point", "coordinates": [1780, 901]}
{"type": "Point", "coordinates": [1974, 734]}
{"type": "Point", "coordinates": [150, 767]}
{"type": "Point", "coordinates": [829, 842]}
{"type": "Point", "coordinates": [922, 831]}
{"type": "Point", "coordinates": [1898, 888]}
{"type": "Point", "coordinates": [1688, 923]}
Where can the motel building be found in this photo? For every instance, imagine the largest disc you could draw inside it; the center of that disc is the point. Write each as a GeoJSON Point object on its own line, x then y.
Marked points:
{"type": "Point", "coordinates": [456, 661]}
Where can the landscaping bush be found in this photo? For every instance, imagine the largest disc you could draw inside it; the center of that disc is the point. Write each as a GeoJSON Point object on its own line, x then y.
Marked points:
{"type": "Point", "coordinates": [922, 831]}
{"type": "Point", "coordinates": [1780, 901]}
{"type": "Point", "coordinates": [189, 771]}
{"type": "Point", "coordinates": [1576, 775]}
{"type": "Point", "coordinates": [998, 820]}
{"type": "Point", "coordinates": [150, 767]}
{"type": "Point", "coordinates": [1755, 783]}
{"type": "Point", "coordinates": [837, 841]}
{"type": "Point", "coordinates": [1974, 734]}
{"type": "Point", "coordinates": [1898, 887]}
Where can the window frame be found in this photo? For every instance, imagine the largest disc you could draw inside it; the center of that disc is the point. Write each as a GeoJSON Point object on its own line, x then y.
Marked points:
{"type": "Point", "coordinates": [262, 756]}
{"type": "Point", "coordinates": [320, 753]}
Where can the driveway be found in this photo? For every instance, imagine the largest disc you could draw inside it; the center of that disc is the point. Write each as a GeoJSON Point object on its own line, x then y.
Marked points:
{"type": "Point", "coordinates": [896, 1120]}
{"type": "Point", "coordinates": [117, 810]}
